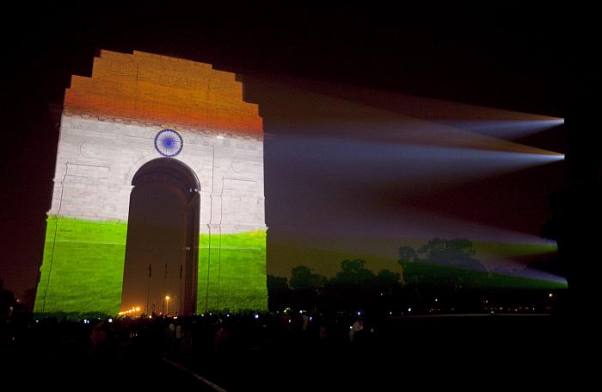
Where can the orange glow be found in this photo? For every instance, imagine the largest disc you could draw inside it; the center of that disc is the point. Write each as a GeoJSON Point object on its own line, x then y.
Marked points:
{"type": "Point", "coordinates": [130, 311]}
{"type": "Point", "coordinates": [166, 91]}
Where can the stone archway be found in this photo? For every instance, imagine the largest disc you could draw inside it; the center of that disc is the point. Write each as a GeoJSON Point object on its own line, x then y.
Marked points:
{"type": "Point", "coordinates": [161, 258]}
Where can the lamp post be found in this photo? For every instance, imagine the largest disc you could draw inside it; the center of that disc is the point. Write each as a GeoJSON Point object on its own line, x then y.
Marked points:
{"type": "Point", "coordinates": [167, 298]}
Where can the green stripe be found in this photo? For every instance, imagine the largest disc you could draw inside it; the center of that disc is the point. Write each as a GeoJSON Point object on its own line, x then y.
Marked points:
{"type": "Point", "coordinates": [82, 269]}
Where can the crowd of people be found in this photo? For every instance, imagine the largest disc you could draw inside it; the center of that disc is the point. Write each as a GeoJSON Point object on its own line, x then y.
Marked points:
{"type": "Point", "coordinates": [236, 348]}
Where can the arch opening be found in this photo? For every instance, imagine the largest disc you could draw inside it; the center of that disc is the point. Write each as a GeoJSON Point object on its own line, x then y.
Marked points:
{"type": "Point", "coordinates": [161, 257]}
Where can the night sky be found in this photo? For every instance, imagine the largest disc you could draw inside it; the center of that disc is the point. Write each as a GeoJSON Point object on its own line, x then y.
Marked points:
{"type": "Point", "coordinates": [329, 181]}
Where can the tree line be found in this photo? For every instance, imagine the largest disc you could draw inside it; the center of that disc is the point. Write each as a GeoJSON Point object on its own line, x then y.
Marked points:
{"type": "Point", "coordinates": [417, 264]}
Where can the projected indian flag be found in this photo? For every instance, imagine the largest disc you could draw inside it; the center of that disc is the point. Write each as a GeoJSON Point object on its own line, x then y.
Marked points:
{"type": "Point", "coordinates": [158, 200]}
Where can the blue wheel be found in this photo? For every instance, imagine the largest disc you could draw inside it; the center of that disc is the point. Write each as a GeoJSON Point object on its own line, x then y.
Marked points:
{"type": "Point", "coordinates": [168, 143]}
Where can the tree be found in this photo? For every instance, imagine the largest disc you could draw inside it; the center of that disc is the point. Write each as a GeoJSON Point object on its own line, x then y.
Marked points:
{"type": "Point", "coordinates": [407, 254]}
{"type": "Point", "coordinates": [387, 279]}
{"type": "Point", "coordinates": [454, 253]}
{"type": "Point", "coordinates": [303, 278]}
{"type": "Point", "coordinates": [277, 283]}
{"type": "Point", "coordinates": [7, 301]}
{"type": "Point", "coordinates": [457, 254]}
{"type": "Point", "coordinates": [353, 273]}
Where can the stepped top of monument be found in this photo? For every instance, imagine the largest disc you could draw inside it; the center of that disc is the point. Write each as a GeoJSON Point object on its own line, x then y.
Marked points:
{"type": "Point", "coordinates": [167, 91]}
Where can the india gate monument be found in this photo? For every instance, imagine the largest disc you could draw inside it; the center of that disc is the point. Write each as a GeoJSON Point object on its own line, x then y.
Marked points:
{"type": "Point", "coordinates": [158, 198]}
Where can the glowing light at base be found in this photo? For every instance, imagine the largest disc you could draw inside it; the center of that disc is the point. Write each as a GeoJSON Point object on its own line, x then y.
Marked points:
{"type": "Point", "coordinates": [133, 311]}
